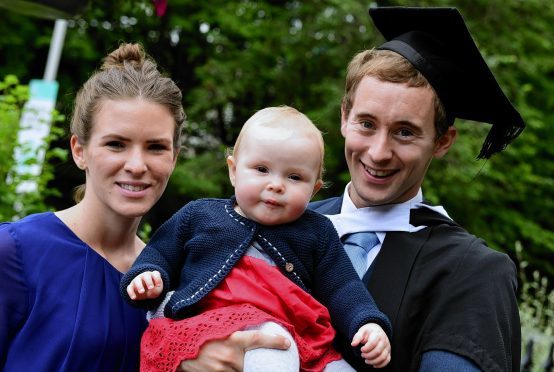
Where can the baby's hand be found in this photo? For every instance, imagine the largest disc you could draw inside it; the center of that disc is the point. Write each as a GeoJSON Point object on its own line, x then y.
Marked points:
{"type": "Point", "coordinates": [376, 349]}
{"type": "Point", "coordinates": [145, 286]}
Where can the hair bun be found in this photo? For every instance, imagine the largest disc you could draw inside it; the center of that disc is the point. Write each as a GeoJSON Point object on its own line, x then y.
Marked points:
{"type": "Point", "coordinates": [126, 53]}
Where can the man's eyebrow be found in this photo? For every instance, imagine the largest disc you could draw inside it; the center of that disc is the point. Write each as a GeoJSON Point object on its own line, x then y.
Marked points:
{"type": "Point", "coordinates": [364, 114]}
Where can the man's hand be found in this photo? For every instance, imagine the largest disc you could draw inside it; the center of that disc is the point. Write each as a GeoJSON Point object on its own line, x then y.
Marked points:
{"type": "Point", "coordinates": [145, 286]}
{"type": "Point", "coordinates": [228, 355]}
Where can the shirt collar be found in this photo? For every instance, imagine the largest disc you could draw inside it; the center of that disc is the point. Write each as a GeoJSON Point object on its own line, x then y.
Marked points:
{"type": "Point", "coordinates": [379, 219]}
{"type": "Point", "coordinates": [348, 204]}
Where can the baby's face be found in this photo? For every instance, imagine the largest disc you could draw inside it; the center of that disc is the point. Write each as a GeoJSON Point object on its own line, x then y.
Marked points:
{"type": "Point", "coordinates": [275, 174]}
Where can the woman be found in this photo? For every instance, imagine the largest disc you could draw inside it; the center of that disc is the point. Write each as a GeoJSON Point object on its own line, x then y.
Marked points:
{"type": "Point", "coordinates": [60, 308]}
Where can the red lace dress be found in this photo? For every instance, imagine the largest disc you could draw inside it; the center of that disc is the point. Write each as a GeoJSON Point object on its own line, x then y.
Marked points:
{"type": "Point", "coordinates": [254, 292]}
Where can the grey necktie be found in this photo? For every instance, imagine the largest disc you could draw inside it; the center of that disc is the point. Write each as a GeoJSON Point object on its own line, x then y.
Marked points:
{"type": "Point", "coordinates": [357, 245]}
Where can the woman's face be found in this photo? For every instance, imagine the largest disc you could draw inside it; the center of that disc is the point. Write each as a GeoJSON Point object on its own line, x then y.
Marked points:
{"type": "Point", "coordinates": [129, 157]}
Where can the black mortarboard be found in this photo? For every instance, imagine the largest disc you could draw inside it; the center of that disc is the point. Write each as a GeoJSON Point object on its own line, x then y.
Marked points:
{"type": "Point", "coordinates": [437, 42]}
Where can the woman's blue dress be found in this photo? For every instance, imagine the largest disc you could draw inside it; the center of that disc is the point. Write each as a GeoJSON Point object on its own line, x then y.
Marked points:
{"type": "Point", "coordinates": [60, 307]}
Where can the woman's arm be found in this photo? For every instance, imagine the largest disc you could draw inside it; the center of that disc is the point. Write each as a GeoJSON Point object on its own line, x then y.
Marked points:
{"type": "Point", "coordinates": [13, 292]}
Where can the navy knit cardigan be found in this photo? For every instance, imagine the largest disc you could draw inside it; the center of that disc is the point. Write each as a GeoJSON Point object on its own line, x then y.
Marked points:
{"type": "Point", "coordinates": [199, 245]}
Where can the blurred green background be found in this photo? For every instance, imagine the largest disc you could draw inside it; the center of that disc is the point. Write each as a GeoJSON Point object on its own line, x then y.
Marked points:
{"type": "Point", "coordinates": [232, 58]}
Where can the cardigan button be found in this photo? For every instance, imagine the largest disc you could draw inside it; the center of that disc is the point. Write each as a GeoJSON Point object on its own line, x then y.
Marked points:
{"type": "Point", "coordinates": [289, 267]}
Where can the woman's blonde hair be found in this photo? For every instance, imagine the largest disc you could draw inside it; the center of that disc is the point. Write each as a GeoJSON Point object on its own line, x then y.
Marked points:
{"type": "Point", "coordinates": [127, 72]}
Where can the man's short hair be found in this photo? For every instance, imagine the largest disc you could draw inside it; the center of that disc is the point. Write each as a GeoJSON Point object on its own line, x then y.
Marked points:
{"type": "Point", "coordinates": [390, 67]}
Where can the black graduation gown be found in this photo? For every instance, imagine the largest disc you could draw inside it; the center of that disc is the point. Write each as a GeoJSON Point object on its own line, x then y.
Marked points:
{"type": "Point", "coordinates": [443, 289]}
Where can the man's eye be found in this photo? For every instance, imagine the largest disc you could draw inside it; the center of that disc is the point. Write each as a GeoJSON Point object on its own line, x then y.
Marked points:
{"type": "Point", "coordinates": [405, 133]}
{"type": "Point", "coordinates": [366, 124]}
{"type": "Point", "coordinates": [261, 169]}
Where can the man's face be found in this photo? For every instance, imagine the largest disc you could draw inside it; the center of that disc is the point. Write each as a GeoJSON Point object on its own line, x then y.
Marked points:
{"type": "Point", "coordinates": [390, 141]}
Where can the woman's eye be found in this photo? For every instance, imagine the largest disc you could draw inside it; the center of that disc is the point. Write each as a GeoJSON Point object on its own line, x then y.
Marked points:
{"type": "Point", "coordinates": [116, 145]}
{"type": "Point", "coordinates": [158, 147]}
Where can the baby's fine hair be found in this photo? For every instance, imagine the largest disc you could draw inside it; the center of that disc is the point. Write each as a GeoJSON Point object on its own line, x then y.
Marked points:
{"type": "Point", "coordinates": [284, 117]}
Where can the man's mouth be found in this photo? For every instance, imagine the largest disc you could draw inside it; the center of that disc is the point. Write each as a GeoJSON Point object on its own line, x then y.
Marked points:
{"type": "Point", "coordinates": [379, 173]}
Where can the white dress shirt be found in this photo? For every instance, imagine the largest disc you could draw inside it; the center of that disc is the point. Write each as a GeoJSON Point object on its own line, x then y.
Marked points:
{"type": "Point", "coordinates": [379, 219]}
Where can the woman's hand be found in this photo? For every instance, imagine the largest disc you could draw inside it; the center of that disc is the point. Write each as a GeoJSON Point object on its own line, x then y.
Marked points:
{"type": "Point", "coordinates": [228, 354]}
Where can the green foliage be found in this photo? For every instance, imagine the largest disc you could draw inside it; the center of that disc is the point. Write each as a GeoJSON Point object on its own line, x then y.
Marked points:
{"type": "Point", "coordinates": [508, 198]}
{"type": "Point", "coordinates": [536, 310]}
{"type": "Point", "coordinates": [232, 58]}
{"type": "Point", "coordinates": [145, 232]}
{"type": "Point", "coordinates": [12, 98]}
{"type": "Point", "coordinates": [205, 176]}
{"type": "Point", "coordinates": [12, 204]}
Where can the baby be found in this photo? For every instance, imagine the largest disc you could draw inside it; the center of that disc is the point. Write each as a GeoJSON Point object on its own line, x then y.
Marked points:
{"type": "Point", "coordinates": [259, 260]}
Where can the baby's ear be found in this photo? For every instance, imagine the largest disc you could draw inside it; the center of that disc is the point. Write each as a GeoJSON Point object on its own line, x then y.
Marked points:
{"type": "Point", "coordinates": [231, 164]}
{"type": "Point", "coordinates": [318, 185]}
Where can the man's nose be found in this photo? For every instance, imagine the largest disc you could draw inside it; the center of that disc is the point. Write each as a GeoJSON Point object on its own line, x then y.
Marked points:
{"type": "Point", "coordinates": [380, 148]}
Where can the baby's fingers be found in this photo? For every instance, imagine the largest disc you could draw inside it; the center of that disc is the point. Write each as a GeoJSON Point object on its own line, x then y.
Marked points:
{"type": "Point", "coordinates": [148, 279]}
{"type": "Point", "coordinates": [381, 360]}
{"type": "Point", "coordinates": [359, 338]}
{"type": "Point", "coordinates": [131, 292]}
{"type": "Point", "coordinates": [377, 351]}
{"type": "Point", "coordinates": [157, 279]}
{"type": "Point", "coordinates": [370, 344]}
{"type": "Point", "coordinates": [135, 288]}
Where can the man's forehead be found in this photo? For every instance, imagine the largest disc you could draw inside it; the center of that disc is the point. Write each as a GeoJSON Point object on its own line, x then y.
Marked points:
{"type": "Point", "coordinates": [372, 89]}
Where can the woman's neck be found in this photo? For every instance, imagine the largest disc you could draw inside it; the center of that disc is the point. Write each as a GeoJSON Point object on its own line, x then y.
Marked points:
{"type": "Point", "coordinates": [112, 236]}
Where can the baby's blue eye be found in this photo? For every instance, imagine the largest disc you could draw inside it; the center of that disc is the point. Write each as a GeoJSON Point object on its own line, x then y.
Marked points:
{"type": "Point", "coordinates": [295, 177]}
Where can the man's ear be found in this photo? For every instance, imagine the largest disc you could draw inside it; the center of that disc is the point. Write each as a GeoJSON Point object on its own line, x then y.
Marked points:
{"type": "Point", "coordinates": [231, 164]}
{"type": "Point", "coordinates": [77, 151]}
{"type": "Point", "coordinates": [343, 120]}
{"type": "Point", "coordinates": [443, 144]}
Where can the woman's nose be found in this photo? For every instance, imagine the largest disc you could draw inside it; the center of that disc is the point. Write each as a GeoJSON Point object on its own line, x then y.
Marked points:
{"type": "Point", "coordinates": [136, 163]}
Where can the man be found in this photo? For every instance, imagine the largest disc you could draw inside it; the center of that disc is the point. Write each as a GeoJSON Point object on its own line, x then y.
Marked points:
{"type": "Point", "coordinates": [450, 298]}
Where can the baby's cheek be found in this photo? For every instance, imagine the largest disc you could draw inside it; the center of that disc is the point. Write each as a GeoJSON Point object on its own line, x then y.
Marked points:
{"type": "Point", "coordinates": [246, 196]}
